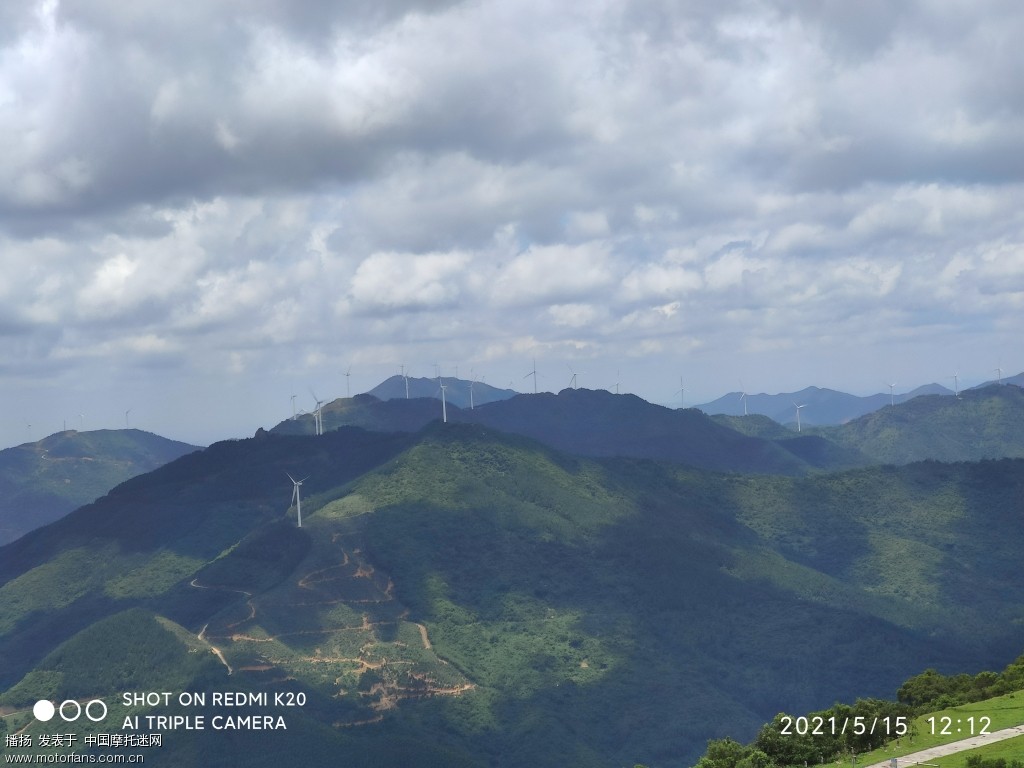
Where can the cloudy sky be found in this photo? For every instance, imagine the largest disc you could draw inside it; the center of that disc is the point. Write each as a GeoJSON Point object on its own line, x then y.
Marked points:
{"type": "Point", "coordinates": [206, 207]}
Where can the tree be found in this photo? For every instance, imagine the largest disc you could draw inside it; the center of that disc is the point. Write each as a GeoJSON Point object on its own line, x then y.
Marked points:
{"type": "Point", "coordinates": [723, 753]}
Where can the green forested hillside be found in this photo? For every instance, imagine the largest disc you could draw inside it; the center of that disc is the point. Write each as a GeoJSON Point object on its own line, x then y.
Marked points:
{"type": "Point", "coordinates": [492, 597]}
{"type": "Point", "coordinates": [985, 423]}
{"type": "Point", "coordinates": [44, 480]}
{"type": "Point", "coordinates": [463, 596]}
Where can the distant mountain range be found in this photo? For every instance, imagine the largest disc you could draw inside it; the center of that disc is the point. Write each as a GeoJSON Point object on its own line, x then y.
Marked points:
{"type": "Point", "coordinates": [582, 421]}
{"type": "Point", "coordinates": [981, 423]}
{"type": "Point", "coordinates": [42, 481]}
{"type": "Point", "coordinates": [823, 406]}
{"type": "Point", "coordinates": [458, 392]}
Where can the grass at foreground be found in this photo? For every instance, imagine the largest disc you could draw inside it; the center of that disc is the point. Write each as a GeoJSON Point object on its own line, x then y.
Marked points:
{"type": "Point", "coordinates": [1005, 712]}
{"type": "Point", "coordinates": [1011, 749]}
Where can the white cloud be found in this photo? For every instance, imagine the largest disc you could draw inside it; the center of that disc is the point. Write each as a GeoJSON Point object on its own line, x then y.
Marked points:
{"type": "Point", "coordinates": [574, 315]}
{"type": "Point", "coordinates": [660, 281]}
{"type": "Point", "coordinates": [109, 288]}
{"type": "Point", "coordinates": [554, 274]}
{"type": "Point", "coordinates": [408, 282]}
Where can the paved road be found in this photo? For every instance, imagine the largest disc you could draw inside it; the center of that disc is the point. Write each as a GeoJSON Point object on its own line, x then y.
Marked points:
{"type": "Point", "coordinates": [953, 747]}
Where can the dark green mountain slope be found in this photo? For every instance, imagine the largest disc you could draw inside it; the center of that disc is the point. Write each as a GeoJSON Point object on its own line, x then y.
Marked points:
{"type": "Point", "coordinates": [465, 597]}
{"type": "Point", "coordinates": [814, 450]}
{"type": "Point", "coordinates": [43, 481]}
{"type": "Point", "coordinates": [754, 425]}
{"type": "Point", "coordinates": [580, 421]}
{"type": "Point", "coordinates": [984, 423]}
{"type": "Point", "coordinates": [367, 412]}
{"type": "Point", "coordinates": [597, 423]}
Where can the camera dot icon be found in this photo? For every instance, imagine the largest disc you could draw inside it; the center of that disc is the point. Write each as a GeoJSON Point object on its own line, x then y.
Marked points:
{"type": "Point", "coordinates": [43, 710]}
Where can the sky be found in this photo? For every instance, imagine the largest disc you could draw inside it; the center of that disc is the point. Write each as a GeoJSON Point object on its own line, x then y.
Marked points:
{"type": "Point", "coordinates": [207, 207]}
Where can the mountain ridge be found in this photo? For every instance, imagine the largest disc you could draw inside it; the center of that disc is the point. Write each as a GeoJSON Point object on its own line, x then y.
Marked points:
{"type": "Point", "coordinates": [46, 479]}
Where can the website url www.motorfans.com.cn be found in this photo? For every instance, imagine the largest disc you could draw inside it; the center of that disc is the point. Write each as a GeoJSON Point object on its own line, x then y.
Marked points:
{"type": "Point", "coordinates": [75, 758]}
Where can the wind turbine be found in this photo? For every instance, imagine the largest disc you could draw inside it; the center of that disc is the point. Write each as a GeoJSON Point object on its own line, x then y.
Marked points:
{"type": "Point", "coordinates": [572, 381]}
{"type": "Point", "coordinates": [682, 393]}
{"type": "Point", "coordinates": [471, 383]}
{"type": "Point", "coordinates": [293, 407]}
{"type": "Point", "coordinates": [82, 417]}
{"type": "Point", "coordinates": [406, 380]}
{"type": "Point", "coordinates": [892, 397]}
{"type": "Point", "coordinates": [444, 405]}
{"type": "Point", "coordinates": [348, 392]}
{"type": "Point", "coordinates": [532, 373]}
{"type": "Point", "coordinates": [617, 377]}
{"type": "Point", "coordinates": [126, 424]}
{"type": "Point", "coordinates": [999, 375]}
{"type": "Point", "coordinates": [956, 383]}
{"type": "Point", "coordinates": [318, 419]}
{"type": "Point", "coordinates": [296, 496]}
{"type": "Point", "coordinates": [743, 397]}
{"type": "Point", "coordinates": [798, 407]}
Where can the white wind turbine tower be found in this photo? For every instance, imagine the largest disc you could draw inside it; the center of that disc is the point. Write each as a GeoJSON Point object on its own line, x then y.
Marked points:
{"type": "Point", "coordinates": [82, 417]}
{"type": "Point", "coordinates": [293, 407]}
{"type": "Point", "coordinates": [956, 383]}
{"type": "Point", "coordinates": [743, 397]}
{"type": "Point", "coordinates": [126, 424]}
{"type": "Point", "coordinates": [682, 393]}
{"type": "Point", "coordinates": [534, 374]}
{"type": "Point", "coordinates": [444, 405]}
{"type": "Point", "coordinates": [798, 407]}
{"type": "Point", "coordinates": [471, 383]}
{"type": "Point", "coordinates": [296, 496]}
{"type": "Point", "coordinates": [892, 396]}
{"type": "Point", "coordinates": [572, 381]}
{"type": "Point", "coordinates": [617, 377]}
{"type": "Point", "coordinates": [318, 419]}
{"type": "Point", "coordinates": [348, 392]}
{"type": "Point", "coordinates": [406, 379]}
